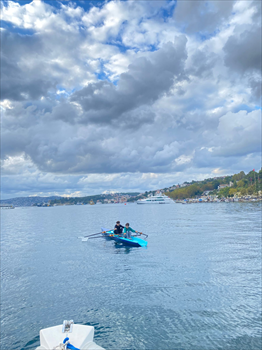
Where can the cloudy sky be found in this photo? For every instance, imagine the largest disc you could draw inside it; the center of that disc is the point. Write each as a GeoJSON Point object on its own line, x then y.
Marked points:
{"type": "Point", "coordinates": [127, 95]}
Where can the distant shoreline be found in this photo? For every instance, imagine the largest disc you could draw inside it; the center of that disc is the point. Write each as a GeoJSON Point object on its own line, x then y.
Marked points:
{"type": "Point", "coordinates": [227, 200]}
{"type": "Point", "coordinates": [251, 200]}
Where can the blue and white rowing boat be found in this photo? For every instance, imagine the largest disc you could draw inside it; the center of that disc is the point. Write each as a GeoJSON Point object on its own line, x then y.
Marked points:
{"type": "Point", "coordinates": [133, 242]}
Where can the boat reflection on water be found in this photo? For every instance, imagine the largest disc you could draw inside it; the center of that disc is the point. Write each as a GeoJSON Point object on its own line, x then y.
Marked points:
{"type": "Point", "coordinates": [126, 249]}
{"type": "Point", "coordinates": [122, 249]}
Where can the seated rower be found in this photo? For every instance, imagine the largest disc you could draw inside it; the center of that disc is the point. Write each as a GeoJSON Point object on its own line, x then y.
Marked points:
{"type": "Point", "coordinates": [128, 230]}
{"type": "Point", "coordinates": [118, 229]}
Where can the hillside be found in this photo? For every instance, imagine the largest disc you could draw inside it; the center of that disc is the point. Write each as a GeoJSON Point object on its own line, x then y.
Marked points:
{"type": "Point", "coordinates": [226, 186]}
{"type": "Point", "coordinates": [101, 198]}
{"type": "Point", "coordinates": [28, 201]}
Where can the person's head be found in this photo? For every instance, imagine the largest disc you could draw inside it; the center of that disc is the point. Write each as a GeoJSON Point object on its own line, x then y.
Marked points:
{"type": "Point", "coordinates": [118, 222]}
{"type": "Point", "coordinates": [127, 225]}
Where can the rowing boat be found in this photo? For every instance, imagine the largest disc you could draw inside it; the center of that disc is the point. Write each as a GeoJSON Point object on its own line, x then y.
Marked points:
{"type": "Point", "coordinates": [107, 233]}
{"type": "Point", "coordinates": [133, 242]}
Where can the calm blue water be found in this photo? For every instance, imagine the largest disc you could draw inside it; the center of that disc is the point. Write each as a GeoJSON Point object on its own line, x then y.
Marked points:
{"type": "Point", "coordinates": [196, 287]}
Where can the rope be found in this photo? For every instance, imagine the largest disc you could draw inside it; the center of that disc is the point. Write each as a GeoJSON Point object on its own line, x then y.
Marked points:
{"type": "Point", "coordinates": [59, 347]}
{"type": "Point", "coordinates": [65, 345]}
{"type": "Point", "coordinates": [68, 345]}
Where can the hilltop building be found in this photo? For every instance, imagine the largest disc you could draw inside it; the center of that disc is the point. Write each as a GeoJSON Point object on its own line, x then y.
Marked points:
{"type": "Point", "coordinates": [225, 185]}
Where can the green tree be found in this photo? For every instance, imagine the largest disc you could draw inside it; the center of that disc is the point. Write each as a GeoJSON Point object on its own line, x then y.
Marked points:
{"type": "Point", "coordinates": [240, 183]}
{"type": "Point", "coordinates": [224, 192]}
{"type": "Point", "coordinates": [243, 191]}
{"type": "Point", "coordinates": [227, 179]}
{"type": "Point", "coordinates": [186, 192]}
{"type": "Point", "coordinates": [245, 182]}
{"type": "Point", "coordinates": [208, 187]}
{"type": "Point", "coordinates": [193, 190]}
{"type": "Point", "coordinates": [241, 175]}
{"type": "Point", "coordinates": [232, 191]}
{"type": "Point", "coordinates": [215, 184]}
{"type": "Point", "coordinates": [250, 190]}
{"type": "Point", "coordinates": [238, 176]}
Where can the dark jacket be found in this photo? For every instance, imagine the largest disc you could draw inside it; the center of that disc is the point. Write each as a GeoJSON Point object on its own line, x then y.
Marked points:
{"type": "Point", "coordinates": [118, 229]}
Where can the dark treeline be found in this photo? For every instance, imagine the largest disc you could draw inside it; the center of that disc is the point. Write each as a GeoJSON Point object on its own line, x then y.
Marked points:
{"type": "Point", "coordinates": [245, 184]}
{"type": "Point", "coordinates": [75, 200]}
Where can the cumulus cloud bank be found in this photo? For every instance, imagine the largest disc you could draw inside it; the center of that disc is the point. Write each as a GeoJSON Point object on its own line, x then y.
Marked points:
{"type": "Point", "coordinates": [127, 95]}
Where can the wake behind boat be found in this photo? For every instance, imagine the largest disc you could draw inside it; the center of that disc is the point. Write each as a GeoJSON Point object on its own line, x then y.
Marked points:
{"type": "Point", "coordinates": [158, 199]}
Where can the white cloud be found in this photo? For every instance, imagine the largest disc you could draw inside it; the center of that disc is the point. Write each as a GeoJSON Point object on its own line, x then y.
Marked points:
{"type": "Point", "coordinates": [6, 104]}
{"type": "Point", "coordinates": [240, 133]}
{"type": "Point", "coordinates": [32, 15]}
{"type": "Point", "coordinates": [123, 96]}
{"type": "Point", "coordinates": [183, 159]}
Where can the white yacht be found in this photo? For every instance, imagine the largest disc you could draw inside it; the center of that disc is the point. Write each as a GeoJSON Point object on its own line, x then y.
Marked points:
{"type": "Point", "coordinates": [157, 199]}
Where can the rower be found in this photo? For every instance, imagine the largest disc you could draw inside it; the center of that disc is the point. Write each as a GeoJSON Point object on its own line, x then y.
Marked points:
{"type": "Point", "coordinates": [118, 229]}
{"type": "Point", "coordinates": [128, 230]}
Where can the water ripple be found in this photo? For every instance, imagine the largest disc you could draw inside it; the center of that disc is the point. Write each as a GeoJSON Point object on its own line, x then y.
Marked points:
{"type": "Point", "coordinates": [196, 287]}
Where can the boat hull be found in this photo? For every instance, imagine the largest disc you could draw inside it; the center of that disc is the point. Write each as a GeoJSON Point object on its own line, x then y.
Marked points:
{"type": "Point", "coordinates": [80, 336]}
{"type": "Point", "coordinates": [134, 242]}
{"type": "Point", "coordinates": [158, 199]}
{"type": "Point", "coordinates": [131, 242]}
{"type": "Point", "coordinates": [155, 202]}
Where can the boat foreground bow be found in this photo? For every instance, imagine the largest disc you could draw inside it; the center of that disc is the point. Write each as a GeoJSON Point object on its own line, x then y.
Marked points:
{"type": "Point", "coordinates": [68, 336]}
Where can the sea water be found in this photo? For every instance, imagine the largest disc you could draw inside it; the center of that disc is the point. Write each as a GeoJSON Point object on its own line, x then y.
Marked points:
{"type": "Point", "coordinates": [197, 286]}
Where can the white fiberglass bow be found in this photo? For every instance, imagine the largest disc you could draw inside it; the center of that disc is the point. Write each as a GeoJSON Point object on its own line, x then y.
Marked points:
{"type": "Point", "coordinates": [68, 336]}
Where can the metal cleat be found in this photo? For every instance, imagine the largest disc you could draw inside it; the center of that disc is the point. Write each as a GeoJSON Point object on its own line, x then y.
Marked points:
{"type": "Point", "coordinates": [67, 326]}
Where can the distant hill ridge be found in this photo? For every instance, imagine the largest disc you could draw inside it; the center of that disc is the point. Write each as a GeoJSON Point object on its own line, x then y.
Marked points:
{"type": "Point", "coordinates": [28, 201]}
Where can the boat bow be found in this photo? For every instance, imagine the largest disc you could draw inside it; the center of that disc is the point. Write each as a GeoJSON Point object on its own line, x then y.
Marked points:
{"type": "Point", "coordinates": [68, 336]}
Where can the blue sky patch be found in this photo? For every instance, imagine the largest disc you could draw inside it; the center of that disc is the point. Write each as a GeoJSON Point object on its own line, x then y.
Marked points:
{"type": "Point", "coordinates": [206, 36]}
{"type": "Point", "coordinates": [14, 29]}
{"type": "Point", "coordinates": [243, 107]}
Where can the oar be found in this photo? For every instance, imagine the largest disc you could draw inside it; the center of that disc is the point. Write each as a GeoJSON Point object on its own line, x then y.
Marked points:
{"type": "Point", "coordinates": [84, 239]}
{"type": "Point", "coordinates": [143, 234]}
{"type": "Point", "coordinates": [93, 238]}
{"type": "Point", "coordinates": [94, 234]}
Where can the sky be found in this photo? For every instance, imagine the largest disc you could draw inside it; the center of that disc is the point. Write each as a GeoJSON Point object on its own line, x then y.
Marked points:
{"type": "Point", "coordinates": [127, 95]}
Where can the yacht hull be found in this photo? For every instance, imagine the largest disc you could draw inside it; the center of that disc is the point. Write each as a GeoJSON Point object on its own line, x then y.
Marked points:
{"type": "Point", "coordinates": [153, 202]}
